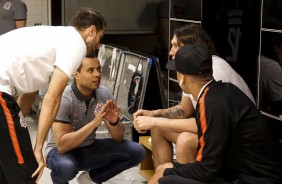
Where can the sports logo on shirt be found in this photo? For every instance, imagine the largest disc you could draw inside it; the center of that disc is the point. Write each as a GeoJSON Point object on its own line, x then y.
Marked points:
{"type": "Point", "coordinates": [98, 108]}
{"type": "Point", "coordinates": [22, 120]}
{"type": "Point", "coordinates": [7, 5]}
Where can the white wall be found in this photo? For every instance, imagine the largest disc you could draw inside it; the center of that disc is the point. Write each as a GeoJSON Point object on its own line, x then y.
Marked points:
{"type": "Point", "coordinates": [38, 12]}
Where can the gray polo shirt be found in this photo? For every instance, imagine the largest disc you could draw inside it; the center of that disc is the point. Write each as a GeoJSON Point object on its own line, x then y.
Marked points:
{"type": "Point", "coordinates": [11, 11]}
{"type": "Point", "coordinates": [77, 111]}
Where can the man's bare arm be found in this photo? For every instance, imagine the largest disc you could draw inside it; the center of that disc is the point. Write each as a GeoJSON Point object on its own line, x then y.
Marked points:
{"type": "Point", "coordinates": [184, 110]}
{"type": "Point", "coordinates": [20, 23]}
{"type": "Point", "coordinates": [50, 107]}
{"type": "Point", "coordinates": [144, 123]}
{"type": "Point", "coordinates": [25, 102]}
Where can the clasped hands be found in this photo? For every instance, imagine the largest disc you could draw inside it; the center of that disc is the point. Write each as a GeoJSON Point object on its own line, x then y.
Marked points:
{"type": "Point", "coordinates": [109, 111]}
{"type": "Point", "coordinates": [143, 121]}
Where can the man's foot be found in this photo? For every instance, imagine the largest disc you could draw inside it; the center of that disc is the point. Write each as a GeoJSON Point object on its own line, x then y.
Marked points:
{"type": "Point", "coordinates": [84, 178]}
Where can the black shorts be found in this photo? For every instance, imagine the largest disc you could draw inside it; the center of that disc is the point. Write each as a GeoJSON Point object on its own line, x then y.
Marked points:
{"type": "Point", "coordinates": [17, 160]}
{"type": "Point", "coordinates": [181, 180]}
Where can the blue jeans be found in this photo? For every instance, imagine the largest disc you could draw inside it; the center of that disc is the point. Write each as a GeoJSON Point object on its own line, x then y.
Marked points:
{"type": "Point", "coordinates": [104, 159]}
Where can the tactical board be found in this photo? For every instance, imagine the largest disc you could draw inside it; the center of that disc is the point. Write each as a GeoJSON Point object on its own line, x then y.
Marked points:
{"type": "Point", "coordinates": [109, 57]}
{"type": "Point", "coordinates": [131, 82]}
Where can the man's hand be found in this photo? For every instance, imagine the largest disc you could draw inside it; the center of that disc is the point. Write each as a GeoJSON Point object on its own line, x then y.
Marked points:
{"type": "Point", "coordinates": [143, 120]}
{"type": "Point", "coordinates": [100, 115]}
{"type": "Point", "coordinates": [142, 112]}
{"type": "Point", "coordinates": [143, 123]}
{"type": "Point", "coordinates": [112, 112]}
{"type": "Point", "coordinates": [41, 164]}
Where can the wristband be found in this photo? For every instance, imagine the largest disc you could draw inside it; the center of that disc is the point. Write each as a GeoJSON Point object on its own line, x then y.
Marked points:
{"type": "Point", "coordinates": [115, 124]}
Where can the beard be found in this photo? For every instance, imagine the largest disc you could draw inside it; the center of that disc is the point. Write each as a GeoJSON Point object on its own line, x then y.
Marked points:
{"type": "Point", "coordinates": [90, 52]}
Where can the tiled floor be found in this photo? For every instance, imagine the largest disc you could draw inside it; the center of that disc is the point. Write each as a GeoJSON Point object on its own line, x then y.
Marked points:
{"type": "Point", "coordinates": [129, 176]}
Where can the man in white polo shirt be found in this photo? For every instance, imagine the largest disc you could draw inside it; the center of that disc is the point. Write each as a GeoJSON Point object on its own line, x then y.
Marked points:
{"type": "Point", "coordinates": [177, 124]}
{"type": "Point", "coordinates": [31, 57]}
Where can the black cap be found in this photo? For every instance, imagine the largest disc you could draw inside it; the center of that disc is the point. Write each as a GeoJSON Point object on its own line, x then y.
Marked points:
{"type": "Point", "coordinates": [189, 58]}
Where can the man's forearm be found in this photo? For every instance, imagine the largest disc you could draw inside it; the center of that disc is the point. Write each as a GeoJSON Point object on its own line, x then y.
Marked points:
{"type": "Point", "coordinates": [175, 112]}
{"type": "Point", "coordinates": [117, 131]}
{"type": "Point", "coordinates": [25, 102]}
{"type": "Point", "coordinates": [47, 115]}
{"type": "Point", "coordinates": [70, 139]}
{"type": "Point", "coordinates": [176, 125]}
{"type": "Point", "coordinates": [20, 23]}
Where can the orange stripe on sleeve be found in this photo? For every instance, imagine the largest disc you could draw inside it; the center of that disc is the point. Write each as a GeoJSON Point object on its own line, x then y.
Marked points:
{"type": "Point", "coordinates": [12, 130]}
{"type": "Point", "coordinates": [203, 123]}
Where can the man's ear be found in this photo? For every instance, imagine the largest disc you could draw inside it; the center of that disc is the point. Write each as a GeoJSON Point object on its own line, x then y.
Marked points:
{"type": "Point", "coordinates": [181, 79]}
{"type": "Point", "coordinates": [93, 30]}
{"type": "Point", "coordinates": [181, 82]}
{"type": "Point", "coordinates": [180, 76]}
{"type": "Point", "coordinates": [75, 75]}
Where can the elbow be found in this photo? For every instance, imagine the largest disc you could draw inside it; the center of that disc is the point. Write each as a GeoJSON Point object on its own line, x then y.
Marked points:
{"type": "Point", "coordinates": [50, 100]}
{"type": "Point", "coordinates": [188, 113]}
{"type": "Point", "coordinates": [62, 149]}
{"type": "Point", "coordinates": [118, 138]}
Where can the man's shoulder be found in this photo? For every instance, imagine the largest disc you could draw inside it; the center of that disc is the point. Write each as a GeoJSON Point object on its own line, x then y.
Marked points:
{"type": "Point", "coordinates": [104, 93]}
{"type": "Point", "coordinates": [222, 92]}
{"type": "Point", "coordinates": [17, 3]}
{"type": "Point", "coordinates": [223, 87]}
{"type": "Point", "coordinates": [103, 90]}
{"type": "Point", "coordinates": [67, 90]}
{"type": "Point", "coordinates": [68, 93]}
{"type": "Point", "coordinates": [220, 63]}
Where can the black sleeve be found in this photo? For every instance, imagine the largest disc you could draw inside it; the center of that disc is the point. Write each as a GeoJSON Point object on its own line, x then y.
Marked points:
{"type": "Point", "coordinates": [213, 120]}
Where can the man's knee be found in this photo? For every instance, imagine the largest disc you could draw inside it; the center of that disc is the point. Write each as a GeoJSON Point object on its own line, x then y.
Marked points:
{"type": "Point", "coordinates": [68, 171]}
{"type": "Point", "coordinates": [157, 132]}
{"type": "Point", "coordinates": [139, 152]}
{"type": "Point", "coordinates": [63, 167]}
{"type": "Point", "coordinates": [134, 151]}
{"type": "Point", "coordinates": [186, 147]}
{"type": "Point", "coordinates": [186, 141]}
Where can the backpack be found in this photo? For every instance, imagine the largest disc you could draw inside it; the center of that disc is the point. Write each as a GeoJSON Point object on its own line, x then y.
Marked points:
{"type": "Point", "coordinates": [134, 92]}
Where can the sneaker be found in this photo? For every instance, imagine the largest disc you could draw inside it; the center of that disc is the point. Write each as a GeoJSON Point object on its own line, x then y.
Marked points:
{"type": "Point", "coordinates": [84, 178]}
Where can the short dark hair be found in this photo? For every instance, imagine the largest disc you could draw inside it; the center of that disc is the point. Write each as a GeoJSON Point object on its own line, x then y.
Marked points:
{"type": "Point", "coordinates": [86, 17]}
{"type": "Point", "coordinates": [191, 60]}
{"type": "Point", "coordinates": [88, 56]}
{"type": "Point", "coordinates": [195, 35]}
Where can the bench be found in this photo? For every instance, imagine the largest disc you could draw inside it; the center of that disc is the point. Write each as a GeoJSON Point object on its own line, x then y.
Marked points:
{"type": "Point", "coordinates": [146, 166]}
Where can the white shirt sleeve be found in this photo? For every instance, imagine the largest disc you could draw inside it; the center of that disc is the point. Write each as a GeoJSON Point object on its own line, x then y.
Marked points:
{"type": "Point", "coordinates": [70, 55]}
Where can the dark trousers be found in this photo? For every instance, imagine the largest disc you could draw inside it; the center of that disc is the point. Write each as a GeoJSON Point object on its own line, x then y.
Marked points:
{"type": "Point", "coordinates": [104, 159]}
{"type": "Point", "coordinates": [17, 160]}
{"type": "Point", "coordinates": [243, 179]}
{"type": "Point", "coordinates": [181, 180]}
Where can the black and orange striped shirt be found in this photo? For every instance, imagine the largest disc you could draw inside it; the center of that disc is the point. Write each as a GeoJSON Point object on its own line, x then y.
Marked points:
{"type": "Point", "coordinates": [234, 140]}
